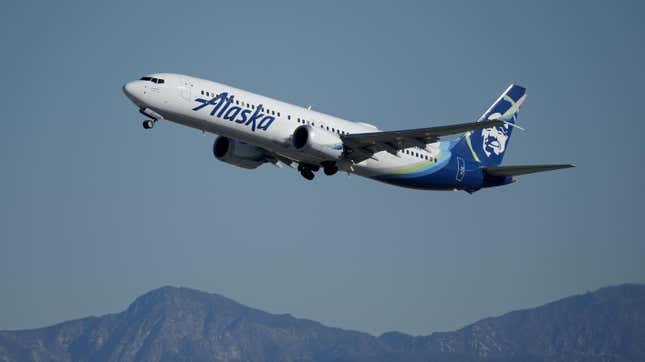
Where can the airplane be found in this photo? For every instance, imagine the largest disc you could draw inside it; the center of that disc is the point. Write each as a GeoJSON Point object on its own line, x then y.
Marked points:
{"type": "Point", "coordinates": [253, 130]}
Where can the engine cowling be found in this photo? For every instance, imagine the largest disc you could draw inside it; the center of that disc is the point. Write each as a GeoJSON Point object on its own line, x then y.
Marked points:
{"type": "Point", "coordinates": [317, 143]}
{"type": "Point", "coordinates": [238, 153]}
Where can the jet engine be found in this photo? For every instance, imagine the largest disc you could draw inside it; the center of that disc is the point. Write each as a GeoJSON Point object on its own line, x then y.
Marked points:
{"type": "Point", "coordinates": [317, 143]}
{"type": "Point", "coordinates": [238, 153]}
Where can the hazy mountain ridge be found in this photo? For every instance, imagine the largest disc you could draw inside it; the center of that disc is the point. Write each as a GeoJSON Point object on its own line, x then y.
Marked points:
{"type": "Point", "coordinates": [181, 324]}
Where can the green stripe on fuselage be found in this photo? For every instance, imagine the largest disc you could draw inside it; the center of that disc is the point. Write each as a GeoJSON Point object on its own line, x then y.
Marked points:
{"type": "Point", "coordinates": [470, 145]}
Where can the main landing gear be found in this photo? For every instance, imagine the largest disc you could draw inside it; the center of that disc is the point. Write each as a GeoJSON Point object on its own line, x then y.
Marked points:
{"type": "Point", "coordinates": [307, 171]}
{"type": "Point", "coordinates": [330, 168]}
{"type": "Point", "coordinates": [308, 174]}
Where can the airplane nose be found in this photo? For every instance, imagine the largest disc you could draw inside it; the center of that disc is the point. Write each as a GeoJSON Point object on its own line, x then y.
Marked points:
{"type": "Point", "coordinates": [128, 89]}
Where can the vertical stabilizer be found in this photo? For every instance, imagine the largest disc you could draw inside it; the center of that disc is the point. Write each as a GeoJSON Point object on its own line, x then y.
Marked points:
{"type": "Point", "coordinates": [488, 145]}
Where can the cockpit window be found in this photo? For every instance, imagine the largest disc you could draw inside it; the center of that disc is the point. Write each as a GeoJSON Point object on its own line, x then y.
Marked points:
{"type": "Point", "coordinates": [153, 80]}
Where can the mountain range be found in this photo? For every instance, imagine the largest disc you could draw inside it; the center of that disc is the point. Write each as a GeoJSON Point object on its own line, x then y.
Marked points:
{"type": "Point", "coordinates": [182, 324]}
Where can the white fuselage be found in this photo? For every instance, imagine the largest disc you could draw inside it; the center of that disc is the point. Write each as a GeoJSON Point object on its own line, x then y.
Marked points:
{"type": "Point", "coordinates": [176, 99]}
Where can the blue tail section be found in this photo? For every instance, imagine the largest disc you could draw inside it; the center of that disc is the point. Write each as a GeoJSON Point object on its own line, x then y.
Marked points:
{"type": "Point", "coordinates": [488, 145]}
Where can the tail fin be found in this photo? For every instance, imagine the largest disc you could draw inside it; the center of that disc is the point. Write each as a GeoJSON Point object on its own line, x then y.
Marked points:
{"type": "Point", "coordinates": [488, 145]}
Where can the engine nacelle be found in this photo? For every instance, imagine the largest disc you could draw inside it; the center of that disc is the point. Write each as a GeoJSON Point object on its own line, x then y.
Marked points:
{"type": "Point", "coordinates": [238, 153]}
{"type": "Point", "coordinates": [317, 143]}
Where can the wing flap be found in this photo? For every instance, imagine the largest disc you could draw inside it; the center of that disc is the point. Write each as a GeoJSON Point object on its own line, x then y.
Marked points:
{"type": "Point", "coordinates": [522, 170]}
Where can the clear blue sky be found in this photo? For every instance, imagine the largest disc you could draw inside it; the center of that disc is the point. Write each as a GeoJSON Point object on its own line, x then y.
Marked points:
{"type": "Point", "coordinates": [95, 211]}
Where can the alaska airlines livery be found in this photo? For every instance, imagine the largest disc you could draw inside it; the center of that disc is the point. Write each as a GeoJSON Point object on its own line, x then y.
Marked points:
{"type": "Point", "coordinates": [254, 130]}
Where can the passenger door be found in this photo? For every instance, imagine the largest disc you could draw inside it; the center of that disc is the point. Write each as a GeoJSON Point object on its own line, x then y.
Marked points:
{"type": "Point", "coordinates": [184, 89]}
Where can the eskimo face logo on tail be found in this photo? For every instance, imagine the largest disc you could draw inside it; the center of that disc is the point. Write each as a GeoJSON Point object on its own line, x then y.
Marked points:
{"type": "Point", "coordinates": [494, 140]}
{"type": "Point", "coordinates": [241, 115]}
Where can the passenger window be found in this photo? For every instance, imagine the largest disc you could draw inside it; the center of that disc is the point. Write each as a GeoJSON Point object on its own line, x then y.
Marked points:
{"type": "Point", "coordinates": [161, 81]}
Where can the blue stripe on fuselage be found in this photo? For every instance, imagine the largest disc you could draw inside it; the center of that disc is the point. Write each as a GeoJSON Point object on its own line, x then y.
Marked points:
{"type": "Point", "coordinates": [441, 175]}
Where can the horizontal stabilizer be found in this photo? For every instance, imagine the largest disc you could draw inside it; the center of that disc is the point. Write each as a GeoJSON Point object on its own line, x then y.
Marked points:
{"type": "Point", "coordinates": [522, 170]}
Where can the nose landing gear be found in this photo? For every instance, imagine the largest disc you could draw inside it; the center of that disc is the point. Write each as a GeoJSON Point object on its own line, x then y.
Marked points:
{"type": "Point", "coordinates": [148, 124]}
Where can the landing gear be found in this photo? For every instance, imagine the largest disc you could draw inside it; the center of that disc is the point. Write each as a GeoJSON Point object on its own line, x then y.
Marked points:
{"type": "Point", "coordinates": [148, 124]}
{"type": "Point", "coordinates": [308, 174]}
{"type": "Point", "coordinates": [329, 167]}
{"type": "Point", "coordinates": [330, 170]}
{"type": "Point", "coordinates": [307, 171]}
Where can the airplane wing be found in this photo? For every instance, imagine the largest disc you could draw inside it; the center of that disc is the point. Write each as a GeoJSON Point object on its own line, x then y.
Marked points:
{"type": "Point", "coordinates": [522, 170]}
{"type": "Point", "coordinates": [361, 146]}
